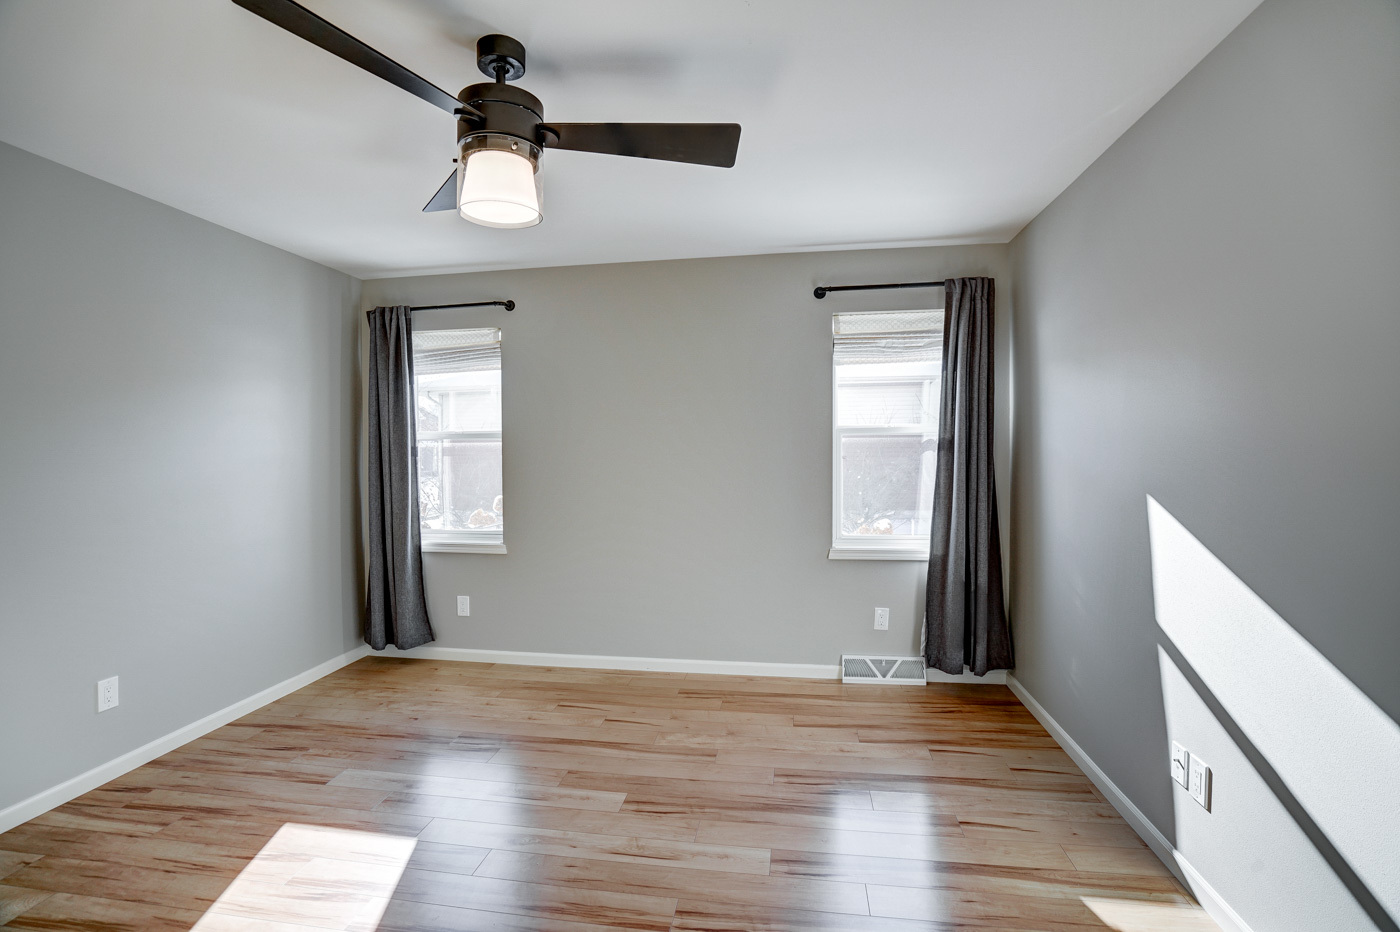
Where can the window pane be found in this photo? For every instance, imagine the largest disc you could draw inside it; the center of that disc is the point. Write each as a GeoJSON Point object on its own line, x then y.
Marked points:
{"type": "Point", "coordinates": [460, 401]}
{"type": "Point", "coordinates": [459, 485]}
{"type": "Point", "coordinates": [429, 410]}
{"type": "Point", "coordinates": [429, 481]}
{"type": "Point", "coordinates": [886, 404]}
{"type": "Point", "coordinates": [887, 486]}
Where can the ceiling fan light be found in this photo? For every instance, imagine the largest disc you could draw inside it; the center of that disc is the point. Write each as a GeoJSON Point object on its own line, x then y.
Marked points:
{"type": "Point", "coordinates": [498, 188]}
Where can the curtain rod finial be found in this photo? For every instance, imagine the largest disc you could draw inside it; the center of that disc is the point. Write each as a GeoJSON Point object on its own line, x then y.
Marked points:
{"type": "Point", "coordinates": [819, 292]}
{"type": "Point", "coordinates": [509, 305]}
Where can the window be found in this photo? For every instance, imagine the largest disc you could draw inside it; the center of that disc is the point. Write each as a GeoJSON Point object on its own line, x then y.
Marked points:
{"type": "Point", "coordinates": [457, 384]}
{"type": "Point", "coordinates": [885, 402]}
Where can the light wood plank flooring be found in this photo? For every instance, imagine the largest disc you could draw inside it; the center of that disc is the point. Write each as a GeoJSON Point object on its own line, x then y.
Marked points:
{"type": "Point", "coordinates": [410, 795]}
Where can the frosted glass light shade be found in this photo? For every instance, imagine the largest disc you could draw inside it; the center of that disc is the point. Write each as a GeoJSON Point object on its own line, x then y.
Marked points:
{"type": "Point", "coordinates": [497, 188]}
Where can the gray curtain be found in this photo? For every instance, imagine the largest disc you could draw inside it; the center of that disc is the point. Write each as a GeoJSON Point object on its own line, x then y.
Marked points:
{"type": "Point", "coordinates": [965, 618]}
{"type": "Point", "coordinates": [396, 610]}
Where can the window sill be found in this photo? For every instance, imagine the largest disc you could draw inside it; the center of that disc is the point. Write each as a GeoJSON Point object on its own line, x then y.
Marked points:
{"type": "Point", "coordinates": [461, 546]}
{"type": "Point", "coordinates": [875, 553]}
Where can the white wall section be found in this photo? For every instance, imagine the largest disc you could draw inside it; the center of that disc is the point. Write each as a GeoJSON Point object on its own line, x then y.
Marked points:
{"type": "Point", "coordinates": [176, 472]}
{"type": "Point", "coordinates": [1206, 322]}
{"type": "Point", "coordinates": [667, 458]}
{"type": "Point", "coordinates": [1330, 746]}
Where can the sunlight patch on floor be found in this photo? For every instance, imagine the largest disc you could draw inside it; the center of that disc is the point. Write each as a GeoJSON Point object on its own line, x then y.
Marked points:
{"type": "Point", "coordinates": [1144, 916]}
{"type": "Point", "coordinates": [310, 875]}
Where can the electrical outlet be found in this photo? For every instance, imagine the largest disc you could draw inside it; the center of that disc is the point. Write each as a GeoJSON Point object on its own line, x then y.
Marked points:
{"type": "Point", "coordinates": [1199, 787]}
{"type": "Point", "coordinates": [882, 619]}
{"type": "Point", "coordinates": [464, 605]}
{"type": "Point", "coordinates": [1181, 760]}
{"type": "Point", "coordinates": [106, 694]}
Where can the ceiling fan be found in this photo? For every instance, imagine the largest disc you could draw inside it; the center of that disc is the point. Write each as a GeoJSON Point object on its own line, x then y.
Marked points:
{"type": "Point", "coordinates": [501, 132]}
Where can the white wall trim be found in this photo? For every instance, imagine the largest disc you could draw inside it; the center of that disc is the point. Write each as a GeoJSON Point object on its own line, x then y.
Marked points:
{"type": "Point", "coordinates": [1213, 903]}
{"type": "Point", "coordinates": [462, 546]}
{"type": "Point", "coordinates": [811, 671]}
{"type": "Point", "coordinates": [42, 802]}
{"type": "Point", "coordinates": [839, 552]}
{"type": "Point", "coordinates": [1140, 823]}
{"type": "Point", "coordinates": [814, 671]}
{"type": "Point", "coordinates": [966, 676]}
{"type": "Point", "coordinates": [1222, 912]}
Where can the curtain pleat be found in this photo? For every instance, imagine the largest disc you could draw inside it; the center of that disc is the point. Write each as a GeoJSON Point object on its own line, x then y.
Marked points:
{"type": "Point", "coordinates": [396, 610]}
{"type": "Point", "coordinates": [965, 618]}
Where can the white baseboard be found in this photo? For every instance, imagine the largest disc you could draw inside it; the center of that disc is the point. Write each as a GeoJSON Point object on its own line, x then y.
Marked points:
{"type": "Point", "coordinates": [42, 802]}
{"type": "Point", "coordinates": [1215, 905]}
{"type": "Point", "coordinates": [1211, 900]}
{"type": "Point", "coordinates": [811, 671]}
{"type": "Point", "coordinates": [966, 676]}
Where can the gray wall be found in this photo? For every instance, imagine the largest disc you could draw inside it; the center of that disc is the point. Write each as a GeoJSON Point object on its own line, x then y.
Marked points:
{"type": "Point", "coordinates": [668, 458]}
{"type": "Point", "coordinates": [1210, 315]}
{"type": "Point", "coordinates": [176, 471]}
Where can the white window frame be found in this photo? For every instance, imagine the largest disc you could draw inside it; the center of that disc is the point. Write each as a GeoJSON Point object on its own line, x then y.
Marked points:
{"type": "Point", "coordinates": [461, 540]}
{"type": "Point", "coordinates": [869, 547]}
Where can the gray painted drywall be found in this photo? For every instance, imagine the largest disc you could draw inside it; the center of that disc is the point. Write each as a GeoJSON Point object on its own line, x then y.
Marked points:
{"type": "Point", "coordinates": [177, 475]}
{"type": "Point", "coordinates": [667, 458]}
{"type": "Point", "coordinates": [1210, 315]}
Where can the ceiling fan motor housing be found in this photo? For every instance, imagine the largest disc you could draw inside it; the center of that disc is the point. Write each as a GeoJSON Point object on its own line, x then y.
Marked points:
{"type": "Point", "coordinates": [509, 118]}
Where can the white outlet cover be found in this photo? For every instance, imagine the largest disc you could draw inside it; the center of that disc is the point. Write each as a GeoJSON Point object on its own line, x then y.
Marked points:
{"type": "Point", "coordinates": [464, 605]}
{"type": "Point", "coordinates": [1181, 760]}
{"type": "Point", "coordinates": [106, 694]}
{"type": "Point", "coordinates": [882, 619]}
{"type": "Point", "coordinates": [1199, 787]}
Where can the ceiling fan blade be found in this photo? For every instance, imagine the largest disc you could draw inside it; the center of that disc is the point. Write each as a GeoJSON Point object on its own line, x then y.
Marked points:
{"type": "Point", "coordinates": [699, 143]}
{"type": "Point", "coordinates": [446, 196]}
{"type": "Point", "coordinates": [300, 21]}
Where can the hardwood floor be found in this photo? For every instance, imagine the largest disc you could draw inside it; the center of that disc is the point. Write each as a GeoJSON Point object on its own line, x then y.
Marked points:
{"type": "Point", "coordinates": [409, 795]}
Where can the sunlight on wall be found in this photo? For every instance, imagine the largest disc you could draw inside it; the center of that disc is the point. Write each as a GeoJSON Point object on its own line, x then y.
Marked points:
{"type": "Point", "coordinates": [1336, 750]}
{"type": "Point", "coordinates": [314, 876]}
{"type": "Point", "coordinates": [1145, 916]}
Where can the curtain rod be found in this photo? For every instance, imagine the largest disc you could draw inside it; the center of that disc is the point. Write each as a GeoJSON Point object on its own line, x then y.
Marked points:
{"type": "Point", "coordinates": [821, 291]}
{"type": "Point", "coordinates": [507, 304]}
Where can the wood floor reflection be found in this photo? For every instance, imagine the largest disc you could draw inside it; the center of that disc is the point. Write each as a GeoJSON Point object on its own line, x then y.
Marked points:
{"type": "Point", "coordinates": [564, 800]}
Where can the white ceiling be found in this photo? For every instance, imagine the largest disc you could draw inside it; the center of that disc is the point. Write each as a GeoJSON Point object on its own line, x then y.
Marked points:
{"type": "Point", "coordinates": [875, 123]}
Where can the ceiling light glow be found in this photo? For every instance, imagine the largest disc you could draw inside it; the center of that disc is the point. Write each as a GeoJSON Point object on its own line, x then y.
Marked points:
{"type": "Point", "coordinates": [498, 188]}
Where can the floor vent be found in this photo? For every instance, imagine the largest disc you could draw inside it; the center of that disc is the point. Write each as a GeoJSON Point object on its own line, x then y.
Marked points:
{"type": "Point", "coordinates": [868, 668]}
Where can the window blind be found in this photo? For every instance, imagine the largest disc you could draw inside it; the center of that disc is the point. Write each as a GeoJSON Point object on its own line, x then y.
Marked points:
{"type": "Point", "coordinates": [887, 336]}
{"type": "Point", "coordinates": [439, 351]}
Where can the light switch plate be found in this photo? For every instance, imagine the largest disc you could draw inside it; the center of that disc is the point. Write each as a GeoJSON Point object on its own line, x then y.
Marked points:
{"type": "Point", "coordinates": [1181, 760]}
{"type": "Point", "coordinates": [1199, 787]}
{"type": "Point", "coordinates": [464, 605]}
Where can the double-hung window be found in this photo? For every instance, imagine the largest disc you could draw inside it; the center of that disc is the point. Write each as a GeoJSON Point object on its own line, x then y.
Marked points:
{"type": "Point", "coordinates": [885, 403]}
{"type": "Point", "coordinates": [457, 376]}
